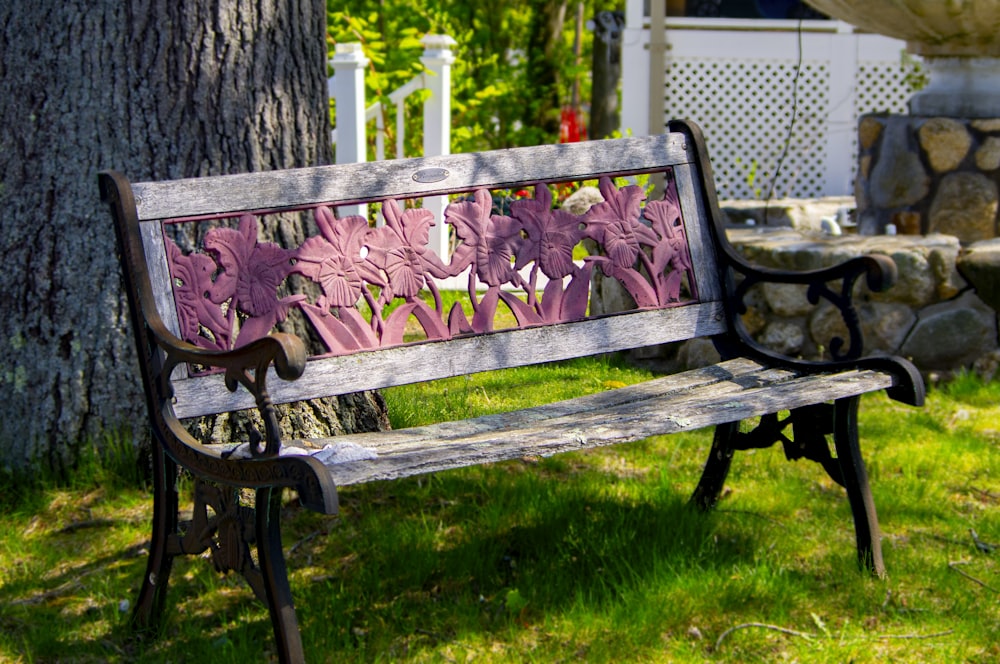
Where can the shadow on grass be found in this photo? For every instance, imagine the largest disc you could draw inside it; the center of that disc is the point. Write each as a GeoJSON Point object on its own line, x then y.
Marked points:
{"type": "Point", "coordinates": [407, 567]}
{"type": "Point", "coordinates": [417, 565]}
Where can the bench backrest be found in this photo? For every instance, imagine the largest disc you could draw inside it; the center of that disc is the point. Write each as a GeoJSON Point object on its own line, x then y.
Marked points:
{"type": "Point", "coordinates": [371, 296]}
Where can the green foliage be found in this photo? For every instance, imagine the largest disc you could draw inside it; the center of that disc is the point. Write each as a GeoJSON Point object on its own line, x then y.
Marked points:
{"type": "Point", "coordinates": [590, 556]}
{"type": "Point", "coordinates": [496, 100]}
{"type": "Point", "coordinates": [969, 387]}
{"type": "Point", "coordinates": [916, 77]}
{"type": "Point", "coordinates": [468, 396]}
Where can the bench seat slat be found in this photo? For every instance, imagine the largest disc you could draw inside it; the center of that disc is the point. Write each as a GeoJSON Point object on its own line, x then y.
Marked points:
{"type": "Point", "coordinates": [739, 369]}
{"type": "Point", "coordinates": [702, 397]}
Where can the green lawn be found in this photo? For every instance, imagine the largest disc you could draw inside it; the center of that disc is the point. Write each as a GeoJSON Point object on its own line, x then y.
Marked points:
{"type": "Point", "coordinates": [585, 557]}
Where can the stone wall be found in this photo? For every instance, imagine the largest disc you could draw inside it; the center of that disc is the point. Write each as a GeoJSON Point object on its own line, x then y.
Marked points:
{"type": "Point", "coordinates": [928, 175]}
{"type": "Point", "coordinates": [933, 315]}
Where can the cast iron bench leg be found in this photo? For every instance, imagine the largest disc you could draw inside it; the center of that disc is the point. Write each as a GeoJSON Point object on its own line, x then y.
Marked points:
{"type": "Point", "coordinates": [271, 559]}
{"type": "Point", "coordinates": [149, 606]}
{"type": "Point", "coordinates": [713, 477]}
{"type": "Point", "coordinates": [866, 529]}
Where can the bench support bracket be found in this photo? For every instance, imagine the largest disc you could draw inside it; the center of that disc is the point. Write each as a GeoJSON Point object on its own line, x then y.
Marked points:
{"type": "Point", "coordinates": [153, 592]}
{"type": "Point", "coordinates": [224, 526]}
{"type": "Point", "coordinates": [810, 427]}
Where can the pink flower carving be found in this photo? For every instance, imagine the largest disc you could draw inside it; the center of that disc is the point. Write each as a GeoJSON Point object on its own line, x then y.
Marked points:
{"type": "Point", "coordinates": [192, 276]}
{"type": "Point", "coordinates": [251, 274]}
{"type": "Point", "coordinates": [671, 259]}
{"type": "Point", "coordinates": [615, 223]}
{"type": "Point", "coordinates": [400, 249]}
{"type": "Point", "coordinates": [488, 241]}
{"type": "Point", "coordinates": [335, 259]}
{"type": "Point", "coordinates": [551, 234]}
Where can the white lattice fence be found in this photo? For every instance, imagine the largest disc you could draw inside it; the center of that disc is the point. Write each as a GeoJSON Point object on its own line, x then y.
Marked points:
{"type": "Point", "coordinates": [737, 79]}
{"type": "Point", "coordinates": [885, 86]}
{"type": "Point", "coordinates": [743, 107]}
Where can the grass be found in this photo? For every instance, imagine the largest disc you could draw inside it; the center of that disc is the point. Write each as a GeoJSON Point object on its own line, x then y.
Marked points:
{"type": "Point", "coordinates": [584, 557]}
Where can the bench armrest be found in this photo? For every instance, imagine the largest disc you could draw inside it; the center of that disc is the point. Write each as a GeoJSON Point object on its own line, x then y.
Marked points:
{"type": "Point", "coordinates": [835, 284]}
{"type": "Point", "coordinates": [246, 365]}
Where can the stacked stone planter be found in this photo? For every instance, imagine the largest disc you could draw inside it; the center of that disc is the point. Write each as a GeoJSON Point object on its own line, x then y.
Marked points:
{"type": "Point", "coordinates": [941, 313]}
{"type": "Point", "coordinates": [928, 175]}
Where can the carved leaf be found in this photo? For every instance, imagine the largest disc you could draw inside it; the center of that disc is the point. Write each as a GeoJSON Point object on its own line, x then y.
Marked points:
{"type": "Point", "coordinates": [576, 296]}
{"type": "Point", "coordinates": [458, 323]}
{"type": "Point", "coordinates": [192, 281]}
{"type": "Point", "coordinates": [482, 320]}
{"type": "Point", "coordinates": [615, 224]}
{"type": "Point", "coordinates": [348, 333]}
{"type": "Point", "coordinates": [523, 314]}
{"type": "Point", "coordinates": [640, 289]}
{"type": "Point", "coordinates": [429, 319]}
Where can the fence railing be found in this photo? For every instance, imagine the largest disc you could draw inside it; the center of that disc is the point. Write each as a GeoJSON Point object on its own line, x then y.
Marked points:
{"type": "Point", "coordinates": [740, 79]}
{"type": "Point", "coordinates": [347, 87]}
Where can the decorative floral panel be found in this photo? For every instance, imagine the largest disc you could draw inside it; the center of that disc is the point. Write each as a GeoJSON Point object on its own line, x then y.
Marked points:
{"type": "Point", "coordinates": [367, 288]}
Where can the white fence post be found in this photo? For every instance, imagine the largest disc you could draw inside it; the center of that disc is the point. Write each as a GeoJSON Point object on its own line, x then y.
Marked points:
{"type": "Point", "coordinates": [438, 59]}
{"type": "Point", "coordinates": [349, 93]}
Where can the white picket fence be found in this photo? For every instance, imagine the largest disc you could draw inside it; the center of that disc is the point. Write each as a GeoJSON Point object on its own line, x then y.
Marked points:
{"type": "Point", "coordinates": [347, 88]}
{"type": "Point", "coordinates": [739, 79]}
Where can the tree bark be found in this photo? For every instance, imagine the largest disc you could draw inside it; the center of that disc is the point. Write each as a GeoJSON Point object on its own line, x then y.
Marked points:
{"type": "Point", "coordinates": [156, 89]}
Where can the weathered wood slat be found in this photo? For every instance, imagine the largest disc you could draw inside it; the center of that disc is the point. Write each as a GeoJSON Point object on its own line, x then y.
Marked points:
{"type": "Point", "coordinates": [350, 183]}
{"type": "Point", "coordinates": [700, 245]}
{"type": "Point", "coordinates": [401, 365]}
{"type": "Point", "coordinates": [159, 277]}
{"type": "Point", "coordinates": [740, 370]}
{"type": "Point", "coordinates": [595, 421]}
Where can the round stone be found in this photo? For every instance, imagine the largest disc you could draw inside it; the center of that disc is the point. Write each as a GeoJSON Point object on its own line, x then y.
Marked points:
{"type": "Point", "coordinates": [965, 206]}
{"type": "Point", "coordinates": [988, 154]}
{"type": "Point", "coordinates": [980, 265]}
{"type": "Point", "coordinates": [946, 143]}
{"type": "Point", "coordinates": [783, 337]}
{"type": "Point", "coordinates": [952, 335]}
{"type": "Point", "coordinates": [884, 326]}
{"type": "Point", "coordinates": [787, 300]}
{"type": "Point", "coordinates": [987, 125]}
{"type": "Point", "coordinates": [898, 178]}
{"type": "Point", "coordinates": [869, 130]}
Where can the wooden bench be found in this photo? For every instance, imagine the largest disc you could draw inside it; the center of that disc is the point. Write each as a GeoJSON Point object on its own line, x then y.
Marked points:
{"type": "Point", "coordinates": [206, 292]}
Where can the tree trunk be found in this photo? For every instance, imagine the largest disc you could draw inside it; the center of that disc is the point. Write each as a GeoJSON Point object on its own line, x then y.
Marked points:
{"type": "Point", "coordinates": [156, 89]}
{"type": "Point", "coordinates": [545, 49]}
{"type": "Point", "coordinates": [606, 71]}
